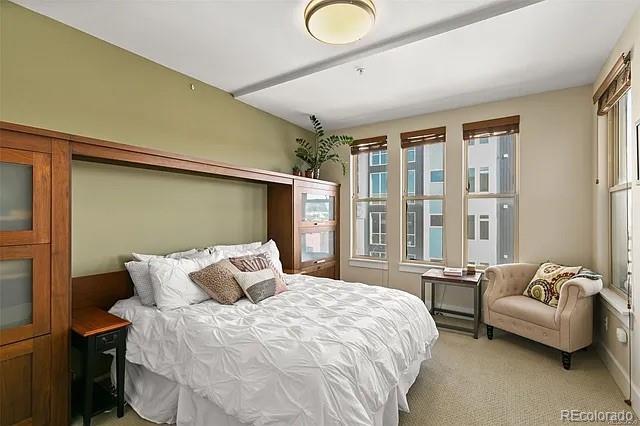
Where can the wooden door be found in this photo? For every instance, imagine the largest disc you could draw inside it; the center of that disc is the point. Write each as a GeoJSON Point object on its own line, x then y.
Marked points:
{"type": "Point", "coordinates": [24, 292]}
{"type": "Point", "coordinates": [24, 382]}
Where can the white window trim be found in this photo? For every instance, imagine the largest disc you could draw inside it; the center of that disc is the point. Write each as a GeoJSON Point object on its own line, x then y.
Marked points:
{"type": "Point", "coordinates": [414, 230]}
{"type": "Point", "coordinates": [380, 233]}
{"type": "Point", "coordinates": [360, 260]}
{"type": "Point", "coordinates": [408, 198]}
{"type": "Point", "coordinates": [371, 263]}
{"type": "Point", "coordinates": [379, 175]}
{"type": "Point", "coordinates": [379, 155]}
{"type": "Point", "coordinates": [513, 196]}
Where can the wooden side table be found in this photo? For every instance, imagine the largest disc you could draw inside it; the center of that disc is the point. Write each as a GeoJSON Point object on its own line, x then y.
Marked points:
{"type": "Point", "coordinates": [436, 277]}
{"type": "Point", "coordinates": [95, 331]}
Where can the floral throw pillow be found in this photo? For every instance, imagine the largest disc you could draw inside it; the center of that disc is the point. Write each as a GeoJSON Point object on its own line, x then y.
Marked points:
{"type": "Point", "coordinates": [546, 284]}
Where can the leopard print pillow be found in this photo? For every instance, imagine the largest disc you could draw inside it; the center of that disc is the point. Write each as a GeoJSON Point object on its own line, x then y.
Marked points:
{"type": "Point", "coordinates": [218, 282]}
{"type": "Point", "coordinates": [548, 280]}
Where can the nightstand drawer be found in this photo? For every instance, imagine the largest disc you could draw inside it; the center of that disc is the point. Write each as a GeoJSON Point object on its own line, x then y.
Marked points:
{"type": "Point", "coordinates": [106, 341]}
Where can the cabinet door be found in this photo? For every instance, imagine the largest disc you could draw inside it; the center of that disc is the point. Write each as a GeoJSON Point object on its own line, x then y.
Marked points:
{"type": "Point", "coordinates": [24, 292]}
{"type": "Point", "coordinates": [25, 197]}
{"type": "Point", "coordinates": [317, 206]}
{"type": "Point", "coordinates": [24, 382]}
{"type": "Point", "coordinates": [317, 245]}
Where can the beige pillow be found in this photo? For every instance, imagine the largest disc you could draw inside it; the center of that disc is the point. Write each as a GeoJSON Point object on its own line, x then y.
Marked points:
{"type": "Point", "coordinates": [218, 282]}
{"type": "Point", "coordinates": [258, 262]}
{"type": "Point", "coordinates": [259, 285]}
{"type": "Point", "coordinates": [546, 284]}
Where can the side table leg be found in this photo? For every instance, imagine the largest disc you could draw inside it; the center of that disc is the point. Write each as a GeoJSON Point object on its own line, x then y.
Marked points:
{"type": "Point", "coordinates": [89, 372]}
{"type": "Point", "coordinates": [433, 298]}
{"type": "Point", "coordinates": [476, 311]}
{"type": "Point", "coordinates": [120, 357]}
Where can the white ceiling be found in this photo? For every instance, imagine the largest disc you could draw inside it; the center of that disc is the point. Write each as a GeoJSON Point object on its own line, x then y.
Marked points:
{"type": "Point", "coordinates": [237, 43]}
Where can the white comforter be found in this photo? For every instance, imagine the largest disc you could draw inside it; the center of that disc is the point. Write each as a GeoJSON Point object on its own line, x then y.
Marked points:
{"type": "Point", "coordinates": [325, 352]}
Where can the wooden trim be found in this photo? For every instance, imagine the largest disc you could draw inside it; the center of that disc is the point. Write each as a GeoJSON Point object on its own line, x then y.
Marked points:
{"type": "Point", "coordinates": [41, 403]}
{"type": "Point", "coordinates": [100, 290]}
{"type": "Point", "coordinates": [60, 279]}
{"type": "Point", "coordinates": [24, 141]}
{"type": "Point", "coordinates": [376, 143]}
{"type": "Point", "coordinates": [612, 75]}
{"type": "Point", "coordinates": [493, 127]}
{"type": "Point", "coordinates": [422, 137]}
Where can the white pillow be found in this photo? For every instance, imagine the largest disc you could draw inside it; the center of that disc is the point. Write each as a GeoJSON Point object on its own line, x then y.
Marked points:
{"type": "Point", "coordinates": [176, 255]}
{"type": "Point", "coordinates": [139, 273]}
{"type": "Point", "coordinates": [270, 248]}
{"type": "Point", "coordinates": [172, 287]}
{"type": "Point", "coordinates": [235, 249]}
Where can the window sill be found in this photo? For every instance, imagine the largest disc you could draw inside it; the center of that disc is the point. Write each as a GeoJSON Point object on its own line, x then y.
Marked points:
{"type": "Point", "coordinates": [616, 303]}
{"type": "Point", "coordinates": [417, 268]}
{"type": "Point", "coordinates": [369, 263]}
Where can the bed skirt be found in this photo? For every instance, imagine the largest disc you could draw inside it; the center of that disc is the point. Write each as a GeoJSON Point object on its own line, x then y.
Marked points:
{"type": "Point", "coordinates": [160, 400]}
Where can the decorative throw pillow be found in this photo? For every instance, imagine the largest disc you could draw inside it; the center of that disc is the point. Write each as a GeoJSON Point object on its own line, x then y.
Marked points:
{"type": "Point", "coordinates": [258, 262]}
{"type": "Point", "coordinates": [218, 282]}
{"type": "Point", "coordinates": [546, 284]}
{"type": "Point", "coordinates": [259, 285]}
{"type": "Point", "coordinates": [139, 273]}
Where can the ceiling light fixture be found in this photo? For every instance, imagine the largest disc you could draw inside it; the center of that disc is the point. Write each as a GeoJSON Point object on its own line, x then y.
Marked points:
{"type": "Point", "coordinates": [339, 21]}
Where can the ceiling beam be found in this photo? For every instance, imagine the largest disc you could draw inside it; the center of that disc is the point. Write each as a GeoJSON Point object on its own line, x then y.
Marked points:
{"type": "Point", "coordinates": [420, 33]}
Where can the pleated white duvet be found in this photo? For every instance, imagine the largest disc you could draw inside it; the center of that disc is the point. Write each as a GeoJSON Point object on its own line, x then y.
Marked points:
{"type": "Point", "coordinates": [323, 353]}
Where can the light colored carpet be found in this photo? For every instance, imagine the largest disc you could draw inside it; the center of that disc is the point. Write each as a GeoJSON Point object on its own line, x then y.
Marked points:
{"type": "Point", "coordinates": [506, 381]}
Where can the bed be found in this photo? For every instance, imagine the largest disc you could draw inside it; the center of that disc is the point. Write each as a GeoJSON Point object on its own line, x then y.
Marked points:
{"type": "Point", "coordinates": [325, 352]}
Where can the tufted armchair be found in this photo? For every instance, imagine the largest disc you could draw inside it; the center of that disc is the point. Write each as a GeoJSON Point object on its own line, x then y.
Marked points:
{"type": "Point", "coordinates": [568, 327]}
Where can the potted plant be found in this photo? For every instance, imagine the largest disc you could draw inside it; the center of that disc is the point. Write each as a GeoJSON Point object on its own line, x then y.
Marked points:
{"type": "Point", "coordinates": [323, 149]}
{"type": "Point", "coordinates": [297, 171]}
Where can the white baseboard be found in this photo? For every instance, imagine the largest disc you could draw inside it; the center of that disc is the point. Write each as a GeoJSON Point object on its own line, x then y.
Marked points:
{"type": "Point", "coordinates": [620, 375]}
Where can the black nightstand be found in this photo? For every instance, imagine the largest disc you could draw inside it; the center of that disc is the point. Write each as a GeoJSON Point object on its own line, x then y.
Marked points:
{"type": "Point", "coordinates": [96, 331]}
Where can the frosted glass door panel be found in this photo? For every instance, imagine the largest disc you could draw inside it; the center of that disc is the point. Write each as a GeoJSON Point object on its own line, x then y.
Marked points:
{"type": "Point", "coordinates": [16, 197]}
{"type": "Point", "coordinates": [317, 245]}
{"type": "Point", "coordinates": [318, 207]}
{"type": "Point", "coordinates": [16, 294]}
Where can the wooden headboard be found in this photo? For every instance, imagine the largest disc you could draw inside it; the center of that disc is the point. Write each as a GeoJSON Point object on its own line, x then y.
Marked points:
{"type": "Point", "coordinates": [101, 290]}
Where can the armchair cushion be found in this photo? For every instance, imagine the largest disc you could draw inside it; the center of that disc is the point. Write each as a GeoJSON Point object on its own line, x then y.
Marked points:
{"type": "Point", "coordinates": [548, 281]}
{"type": "Point", "coordinates": [527, 309]}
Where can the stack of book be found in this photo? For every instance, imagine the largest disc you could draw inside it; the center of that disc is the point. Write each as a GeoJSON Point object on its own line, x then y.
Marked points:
{"type": "Point", "coordinates": [454, 272]}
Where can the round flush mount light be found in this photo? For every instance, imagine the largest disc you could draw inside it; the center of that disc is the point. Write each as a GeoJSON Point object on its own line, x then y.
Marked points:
{"type": "Point", "coordinates": [339, 21]}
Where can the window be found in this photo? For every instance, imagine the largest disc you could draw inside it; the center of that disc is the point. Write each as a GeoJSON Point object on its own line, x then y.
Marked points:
{"type": "Point", "coordinates": [484, 179]}
{"type": "Point", "coordinates": [378, 184]}
{"type": "Point", "coordinates": [423, 195]}
{"type": "Point", "coordinates": [411, 229]}
{"type": "Point", "coordinates": [378, 158]}
{"type": "Point", "coordinates": [369, 186]}
{"type": "Point", "coordinates": [471, 227]}
{"type": "Point", "coordinates": [378, 231]}
{"type": "Point", "coordinates": [621, 150]}
{"type": "Point", "coordinates": [484, 227]}
{"type": "Point", "coordinates": [411, 155]}
{"type": "Point", "coordinates": [471, 179]}
{"type": "Point", "coordinates": [494, 205]}
{"type": "Point", "coordinates": [437, 176]}
{"type": "Point", "coordinates": [411, 182]}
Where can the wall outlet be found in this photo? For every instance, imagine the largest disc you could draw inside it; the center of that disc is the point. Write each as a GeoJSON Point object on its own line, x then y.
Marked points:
{"type": "Point", "coordinates": [621, 335]}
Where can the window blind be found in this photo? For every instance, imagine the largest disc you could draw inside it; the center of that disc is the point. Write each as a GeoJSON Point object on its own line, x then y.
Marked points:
{"type": "Point", "coordinates": [494, 127]}
{"type": "Point", "coordinates": [376, 143]}
{"type": "Point", "coordinates": [423, 137]}
{"type": "Point", "coordinates": [615, 84]}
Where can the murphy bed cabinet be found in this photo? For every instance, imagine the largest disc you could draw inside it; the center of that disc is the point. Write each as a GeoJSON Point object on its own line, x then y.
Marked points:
{"type": "Point", "coordinates": [34, 278]}
{"type": "Point", "coordinates": [303, 221]}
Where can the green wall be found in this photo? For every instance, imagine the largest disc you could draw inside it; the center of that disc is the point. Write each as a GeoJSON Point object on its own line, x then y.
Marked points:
{"type": "Point", "coordinates": [55, 77]}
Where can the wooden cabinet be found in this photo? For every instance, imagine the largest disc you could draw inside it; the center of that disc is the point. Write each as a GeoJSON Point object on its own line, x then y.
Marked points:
{"type": "Point", "coordinates": [28, 240]}
{"type": "Point", "coordinates": [24, 382]}
{"type": "Point", "coordinates": [303, 221]}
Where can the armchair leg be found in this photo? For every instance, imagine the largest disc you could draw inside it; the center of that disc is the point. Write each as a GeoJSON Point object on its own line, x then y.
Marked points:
{"type": "Point", "coordinates": [566, 360]}
{"type": "Point", "coordinates": [489, 332]}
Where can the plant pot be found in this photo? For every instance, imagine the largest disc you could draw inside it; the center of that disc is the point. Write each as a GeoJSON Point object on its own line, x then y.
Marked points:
{"type": "Point", "coordinates": [297, 172]}
{"type": "Point", "coordinates": [308, 173]}
{"type": "Point", "coordinates": [316, 174]}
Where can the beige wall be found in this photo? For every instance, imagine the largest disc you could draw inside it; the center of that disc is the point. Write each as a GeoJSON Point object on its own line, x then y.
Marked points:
{"type": "Point", "coordinates": [628, 41]}
{"type": "Point", "coordinates": [56, 77]}
{"type": "Point", "coordinates": [555, 203]}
